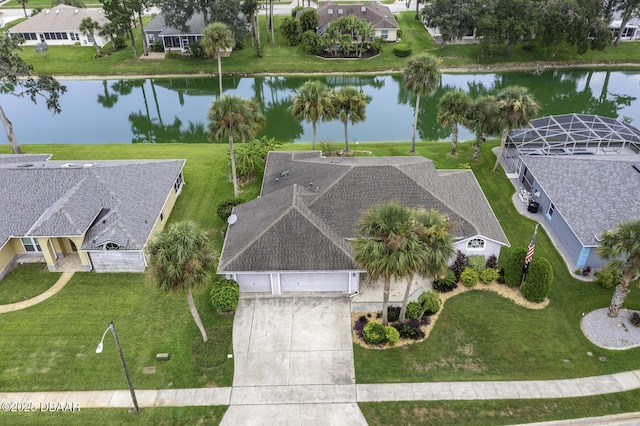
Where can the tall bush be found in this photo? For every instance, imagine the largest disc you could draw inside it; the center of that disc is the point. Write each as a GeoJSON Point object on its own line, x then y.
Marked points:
{"type": "Point", "coordinates": [537, 284]}
{"type": "Point", "coordinates": [514, 265]}
{"type": "Point", "coordinates": [225, 295]}
{"type": "Point", "coordinates": [477, 262]}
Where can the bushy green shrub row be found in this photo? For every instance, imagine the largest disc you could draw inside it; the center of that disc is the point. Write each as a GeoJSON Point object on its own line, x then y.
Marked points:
{"type": "Point", "coordinates": [537, 284]}
{"type": "Point", "coordinates": [514, 265]}
{"type": "Point", "coordinates": [402, 50]}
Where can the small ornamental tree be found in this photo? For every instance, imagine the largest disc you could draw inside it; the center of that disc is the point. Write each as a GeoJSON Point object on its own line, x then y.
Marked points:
{"type": "Point", "coordinates": [514, 266]}
{"type": "Point", "coordinates": [225, 295]}
{"type": "Point", "coordinates": [537, 284]}
{"type": "Point", "coordinates": [459, 264]}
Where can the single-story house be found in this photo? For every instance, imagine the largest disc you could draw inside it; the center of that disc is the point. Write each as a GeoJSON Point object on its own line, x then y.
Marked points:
{"type": "Point", "coordinates": [295, 237]}
{"type": "Point", "coordinates": [580, 197]}
{"type": "Point", "coordinates": [382, 20]}
{"type": "Point", "coordinates": [631, 31]}
{"type": "Point", "coordinates": [59, 26]}
{"type": "Point", "coordinates": [104, 212]}
{"type": "Point", "coordinates": [174, 38]}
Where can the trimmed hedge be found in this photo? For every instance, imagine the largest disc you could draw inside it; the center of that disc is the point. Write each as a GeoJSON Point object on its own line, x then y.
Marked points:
{"type": "Point", "coordinates": [469, 277]}
{"type": "Point", "coordinates": [391, 334]}
{"type": "Point", "coordinates": [477, 262]}
{"type": "Point", "coordinates": [514, 265]}
{"type": "Point", "coordinates": [373, 332]}
{"type": "Point", "coordinates": [402, 50]}
{"type": "Point", "coordinates": [225, 295]}
{"type": "Point", "coordinates": [414, 310]}
{"type": "Point", "coordinates": [537, 284]}
{"type": "Point", "coordinates": [488, 275]}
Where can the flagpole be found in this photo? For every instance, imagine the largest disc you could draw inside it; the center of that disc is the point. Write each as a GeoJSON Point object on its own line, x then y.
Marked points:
{"type": "Point", "coordinates": [529, 256]}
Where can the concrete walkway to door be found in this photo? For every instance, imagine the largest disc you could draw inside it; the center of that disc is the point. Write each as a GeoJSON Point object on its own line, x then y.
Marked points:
{"type": "Point", "coordinates": [293, 362]}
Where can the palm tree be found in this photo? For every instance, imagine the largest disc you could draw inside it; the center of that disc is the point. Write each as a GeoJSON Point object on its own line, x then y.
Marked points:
{"type": "Point", "coordinates": [312, 103]}
{"type": "Point", "coordinates": [216, 38]}
{"type": "Point", "coordinates": [88, 27]}
{"type": "Point", "coordinates": [516, 107]}
{"type": "Point", "coordinates": [181, 260]}
{"type": "Point", "coordinates": [350, 105]}
{"type": "Point", "coordinates": [23, 3]}
{"type": "Point", "coordinates": [433, 231]}
{"type": "Point", "coordinates": [388, 248]}
{"type": "Point", "coordinates": [453, 108]}
{"type": "Point", "coordinates": [234, 117]}
{"type": "Point", "coordinates": [421, 77]}
{"type": "Point", "coordinates": [622, 243]}
{"type": "Point", "coordinates": [483, 120]}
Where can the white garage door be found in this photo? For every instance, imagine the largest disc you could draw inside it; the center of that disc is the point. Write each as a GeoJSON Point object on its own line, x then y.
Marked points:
{"type": "Point", "coordinates": [315, 282]}
{"type": "Point", "coordinates": [254, 283]}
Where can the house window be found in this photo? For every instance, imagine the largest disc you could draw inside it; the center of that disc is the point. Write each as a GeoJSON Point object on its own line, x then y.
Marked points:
{"type": "Point", "coordinates": [74, 37]}
{"type": "Point", "coordinates": [150, 39]}
{"type": "Point", "coordinates": [384, 34]}
{"type": "Point", "coordinates": [30, 245]}
{"type": "Point", "coordinates": [29, 36]}
{"type": "Point", "coordinates": [178, 184]}
{"type": "Point", "coordinates": [552, 208]}
{"type": "Point", "coordinates": [90, 38]}
{"type": "Point", "coordinates": [111, 246]}
{"type": "Point", "coordinates": [475, 244]}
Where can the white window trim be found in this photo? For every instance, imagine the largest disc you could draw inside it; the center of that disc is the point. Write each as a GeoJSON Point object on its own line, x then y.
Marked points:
{"type": "Point", "coordinates": [33, 242]}
{"type": "Point", "coordinates": [484, 244]}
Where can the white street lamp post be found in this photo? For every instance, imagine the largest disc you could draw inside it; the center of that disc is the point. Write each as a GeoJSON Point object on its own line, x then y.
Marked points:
{"type": "Point", "coordinates": [124, 364]}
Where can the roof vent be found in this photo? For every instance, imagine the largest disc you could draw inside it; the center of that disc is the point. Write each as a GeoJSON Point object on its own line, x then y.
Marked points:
{"type": "Point", "coordinates": [46, 12]}
{"type": "Point", "coordinates": [57, 11]}
{"type": "Point", "coordinates": [232, 219]}
{"type": "Point", "coordinates": [89, 165]}
{"type": "Point", "coordinates": [363, 9]}
{"type": "Point", "coordinates": [67, 165]}
{"type": "Point", "coordinates": [339, 11]}
{"type": "Point", "coordinates": [330, 11]}
{"type": "Point", "coordinates": [76, 11]}
{"type": "Point", "coordinates": [637, 167]}
{"type": "Point", "coordinates": [25, 165]}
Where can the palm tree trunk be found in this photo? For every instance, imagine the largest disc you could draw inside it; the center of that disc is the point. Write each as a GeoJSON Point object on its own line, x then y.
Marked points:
{"type": "Point", "coordinates": [415, 125]}
{"type": "Point", "coordinates": [505, 132]}
{"type": "Point", "coordinates": [417, 17]}
{"type": "Point", "coordinates": [405, 301]}
{"type": "Point", "coordinates": [477, 145]}
{"type": "Point", "coordinates": [346, 138]}
{"type": "Point", "coordinates": [454, 139]}
{"type": "Point", "coordinates": [220, 71]}
{"type": "Point", "coordinates": [196, 316]}
{"type": "Point", "coordinates": [313, 142]}
{"type": "Point", "coordinates": [233, 165]}
{"type": "Point", "coordinates": [273, 37]}
{"type": "Point", "coordinates": [622, 290]}
{"type": "Point", "coordinates": [8, 128]}
{"type": "Point", "coordinates": [385, 301]}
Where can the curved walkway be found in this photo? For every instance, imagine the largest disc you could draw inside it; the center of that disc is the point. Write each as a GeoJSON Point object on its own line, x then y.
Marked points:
{"type": "Point", "coordinates": [59, 285]}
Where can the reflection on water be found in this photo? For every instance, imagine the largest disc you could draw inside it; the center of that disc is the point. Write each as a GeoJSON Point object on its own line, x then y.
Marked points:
{"type": "Point", "coordinates": [175, 109]}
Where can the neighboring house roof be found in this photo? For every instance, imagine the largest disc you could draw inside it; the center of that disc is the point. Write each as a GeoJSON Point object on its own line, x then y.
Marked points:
{"type": "Point", "coordinates": [378, 15]}
{"type": "Point", "coordinates": [61, 18]}
{"type": "Point", "coordinates": [195, 25]}
{"type": "Point", "coordinates": [58, 198]}
{"type": "Point", "coordinates": [592, 194]}
{"type": "Point", "coordinates": [310, 206]}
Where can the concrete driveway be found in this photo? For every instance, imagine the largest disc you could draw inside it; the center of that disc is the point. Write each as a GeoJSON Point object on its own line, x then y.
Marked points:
{"type": "Point", "coordinates": [293, 359]}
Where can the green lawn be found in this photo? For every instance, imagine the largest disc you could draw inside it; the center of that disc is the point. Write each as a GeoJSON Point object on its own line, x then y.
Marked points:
{"type": "Point", "coordinates": [500, 412]}
{"type": "Point", "coordinates": [170, 416]}
{"type": "Point", "coordinates": [281, 58]}
{"type": "Point", "coordinates": [26, 281]}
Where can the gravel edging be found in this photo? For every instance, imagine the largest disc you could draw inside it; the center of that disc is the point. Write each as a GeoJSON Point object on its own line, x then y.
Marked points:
{"type": "Point", "coordinates": [611, 333]}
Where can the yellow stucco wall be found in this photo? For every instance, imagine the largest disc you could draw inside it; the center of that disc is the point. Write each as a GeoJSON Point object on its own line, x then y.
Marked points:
{"type": "Point", "coordinates": [6, 255]}
{"type": "Point", "coordinates": [166, 211]}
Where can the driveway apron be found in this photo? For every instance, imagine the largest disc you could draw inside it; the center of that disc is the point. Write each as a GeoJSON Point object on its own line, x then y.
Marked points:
{"type": "Point", "coordinates": [293, 362]}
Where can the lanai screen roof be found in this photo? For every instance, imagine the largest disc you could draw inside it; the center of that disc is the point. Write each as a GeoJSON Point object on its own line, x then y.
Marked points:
{"type": "Point", "coordinates": [575, 129]}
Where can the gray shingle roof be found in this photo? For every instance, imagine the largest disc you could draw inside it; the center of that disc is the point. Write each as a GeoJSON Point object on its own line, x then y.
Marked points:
{"type": "Point", "coordinates": [378, 15]}
{"type": "Point", "coordinates": [57, 198]}
{"type": "Point", "coordinates": [592, 195]}
{"type": "Point", "coordinates": [195, 26]}
{"type": "Point", "coordinates": [310, 206]}
{"type": "Point", "coordinates": [61, 18]}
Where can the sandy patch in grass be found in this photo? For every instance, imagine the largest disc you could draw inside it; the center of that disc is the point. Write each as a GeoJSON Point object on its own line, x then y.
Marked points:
{"type": "Point", "coordinates": [511, 293]}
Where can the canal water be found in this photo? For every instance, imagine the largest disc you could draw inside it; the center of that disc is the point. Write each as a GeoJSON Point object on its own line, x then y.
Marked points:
{"type": "Point", "coordinates": [156, 110]}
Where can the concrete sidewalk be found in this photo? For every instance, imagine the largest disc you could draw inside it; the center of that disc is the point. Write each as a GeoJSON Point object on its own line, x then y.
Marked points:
{"type": "Point", "coordinates": [327, 394]}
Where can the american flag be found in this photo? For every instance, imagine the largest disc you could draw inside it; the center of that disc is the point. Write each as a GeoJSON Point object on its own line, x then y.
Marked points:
{"type": "Point", "coordinates": [529, 256]}
{"type": "Point", "coordinates": [531, 249]}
